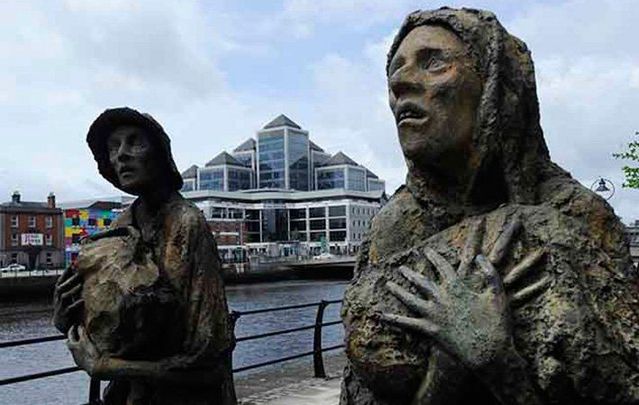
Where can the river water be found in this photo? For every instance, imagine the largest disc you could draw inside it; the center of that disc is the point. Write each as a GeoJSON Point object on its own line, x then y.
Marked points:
{"type": "Point", "coordinates": [29, 320]}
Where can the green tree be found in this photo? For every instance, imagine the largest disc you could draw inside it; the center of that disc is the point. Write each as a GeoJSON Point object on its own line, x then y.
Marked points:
{"type": "Point", "coordinates": [631, 173]}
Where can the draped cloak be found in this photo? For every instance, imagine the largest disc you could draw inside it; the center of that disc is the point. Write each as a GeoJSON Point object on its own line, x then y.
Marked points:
{"type": "Point", "coordinates": [580, 338]}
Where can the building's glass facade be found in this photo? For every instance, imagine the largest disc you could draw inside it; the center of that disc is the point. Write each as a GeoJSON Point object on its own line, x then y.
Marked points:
{"type": "Point", "coordinates": [298, 161]}
{"type": "Point", "coordinates": [188, 185]}
{"type": "Point", "coordinates": [374, 185]}
{"type": "Point", "coordinates": [239, 179]}
{"type": "Point", "coordinates": [246, 158]}
{"type": "Point", "coordinates": [330, 178]}
{"type": "Point", "coordinates": [274, 225]}
{"type": "Point", "coordinates": [271, 159]}
{"type": "Point", "coordinates": [212, 179]}
{"type": "Point", "coordinates": [356, 179]}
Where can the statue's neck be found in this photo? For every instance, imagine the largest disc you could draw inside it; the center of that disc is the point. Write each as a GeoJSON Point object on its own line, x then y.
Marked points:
{"type": "Point", "coordinates": [463, 190]}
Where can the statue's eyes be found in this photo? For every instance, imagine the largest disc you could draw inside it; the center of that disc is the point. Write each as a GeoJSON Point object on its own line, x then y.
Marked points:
{"type": "Point", "coordinates": [434, 63]}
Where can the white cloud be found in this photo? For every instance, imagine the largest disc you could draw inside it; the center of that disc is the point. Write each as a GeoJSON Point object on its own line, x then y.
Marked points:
{"type": "Point", "coordinates": [587, 64]}
{"type": "Point", "coordinates": [63, 63]}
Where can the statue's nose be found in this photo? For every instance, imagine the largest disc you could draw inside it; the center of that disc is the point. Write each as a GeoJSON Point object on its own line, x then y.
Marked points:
{"type": "Point", "coordinates": [404, 80]}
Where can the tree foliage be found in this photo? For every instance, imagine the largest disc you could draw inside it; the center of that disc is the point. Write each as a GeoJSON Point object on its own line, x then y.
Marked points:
{"type": "Point", "coordinates": [631, 173]}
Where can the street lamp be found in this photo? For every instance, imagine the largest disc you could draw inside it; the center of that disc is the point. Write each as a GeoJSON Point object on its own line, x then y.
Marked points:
{"type": "Point", "coordinates": [604, 187]}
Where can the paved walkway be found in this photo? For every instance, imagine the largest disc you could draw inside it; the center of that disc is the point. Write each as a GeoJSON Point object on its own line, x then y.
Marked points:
{"type": "Point", "coordinates": [316, 391]}
{"type": "Point", "coordinates": [292, 383]}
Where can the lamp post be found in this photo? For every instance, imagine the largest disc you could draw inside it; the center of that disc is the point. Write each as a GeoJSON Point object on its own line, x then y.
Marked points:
{"type": "Point", "coordinates": [604, 187]}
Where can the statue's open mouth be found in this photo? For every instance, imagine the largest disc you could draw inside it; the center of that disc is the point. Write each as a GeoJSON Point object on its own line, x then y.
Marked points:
{"type": "Point", "coordinates": [409, 112]}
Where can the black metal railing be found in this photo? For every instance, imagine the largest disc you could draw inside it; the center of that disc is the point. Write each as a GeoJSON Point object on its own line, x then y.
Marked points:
{"type": "Point", "coordinates": [317, 352]}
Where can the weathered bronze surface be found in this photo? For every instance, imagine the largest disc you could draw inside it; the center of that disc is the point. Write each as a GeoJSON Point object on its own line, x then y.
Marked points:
{"type": "Point", "coordinates": [492, 276]}
{"type": "Point", "coordinates": [144, 304]}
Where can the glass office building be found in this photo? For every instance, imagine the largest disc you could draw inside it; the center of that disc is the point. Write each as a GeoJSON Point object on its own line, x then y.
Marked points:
{"type": "Point", "coordinates": [282, 188]}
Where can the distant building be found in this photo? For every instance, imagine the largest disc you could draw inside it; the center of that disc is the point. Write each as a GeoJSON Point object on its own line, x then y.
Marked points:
{"type": "Point", "coordinates": [31, 233]}
{"type": "Point", "coordinates": [83, 218]}
{"type": "Point", "coordinates": [281, 194]}
{"type": "Point", "coordinates": [633, 237]}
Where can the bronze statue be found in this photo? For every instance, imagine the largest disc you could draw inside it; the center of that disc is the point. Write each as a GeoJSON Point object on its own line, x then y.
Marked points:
{"type": "Point", "coordinates": [144, 304]}
{"type": "Point", "coordinates": [491, 277]}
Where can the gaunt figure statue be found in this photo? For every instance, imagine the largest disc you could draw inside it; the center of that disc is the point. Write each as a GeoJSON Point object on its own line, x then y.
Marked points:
{"type": "Point", "coordinates": [144, 304]}
{"type": "Point", "coordinates": [491, 277]}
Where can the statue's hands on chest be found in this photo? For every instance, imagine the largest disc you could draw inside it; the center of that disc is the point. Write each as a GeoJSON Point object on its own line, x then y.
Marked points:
{"type": "Point", "coordinates": [466, 311]}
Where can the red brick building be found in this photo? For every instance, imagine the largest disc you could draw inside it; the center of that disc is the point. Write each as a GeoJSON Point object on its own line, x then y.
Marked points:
{"type": "Point", "coordinates": [31, 233]}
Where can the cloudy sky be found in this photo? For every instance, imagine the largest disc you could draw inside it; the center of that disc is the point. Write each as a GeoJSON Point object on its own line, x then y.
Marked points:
{"type": "Point", "coordinates": [214, 72]}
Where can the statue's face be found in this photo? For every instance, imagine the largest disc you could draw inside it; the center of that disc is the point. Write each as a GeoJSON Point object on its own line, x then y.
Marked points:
{"type": "Point", "coordinates": [434, 94]}
{"type": "Point", "coordinates": [132, 157]}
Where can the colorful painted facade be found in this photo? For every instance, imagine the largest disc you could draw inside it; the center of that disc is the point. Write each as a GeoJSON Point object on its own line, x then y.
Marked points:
{"type": "Point", "coordinates": [81, 222]}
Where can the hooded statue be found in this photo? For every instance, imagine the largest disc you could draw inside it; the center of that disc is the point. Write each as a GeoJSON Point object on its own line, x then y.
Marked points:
{"type": "Point", "coordinates": [577, 339]}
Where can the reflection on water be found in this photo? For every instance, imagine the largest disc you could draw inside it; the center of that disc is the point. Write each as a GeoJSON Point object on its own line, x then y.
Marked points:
{"type": "Point", "coordinates": [20, 321]}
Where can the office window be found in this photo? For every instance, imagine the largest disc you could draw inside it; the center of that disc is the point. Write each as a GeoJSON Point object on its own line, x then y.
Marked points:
{"type": "Point", "coordinates": [338, 236]}
{"type": "Point", "coordinates": [317, 212]}
{"type": "Point", "coordinates": [49, 222]}
{"type": "Point", "coordinates": [15, 239]}
{"type": "Point", "coordinates": [330, 178]}
{"type": "Point", "coordinates": [297, 213]}
{"type": "Point", "coordinates": [32, 222]}
{"type": "Point", "coordinates": [14, 221]}
{"type": "Point", "coordinates": [212, 179]}
{"type": "Point", "coordinates": [339, 211]}
{"type": "Point", "coordinates": [337, 223]}
{"type": "Point", "coordinates": [318, 224]}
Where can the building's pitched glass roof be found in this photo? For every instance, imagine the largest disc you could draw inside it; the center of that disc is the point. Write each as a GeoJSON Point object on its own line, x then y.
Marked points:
{"type": "Point", "coordinates": [371, 174]}
{"type": "Point", "coordinates": [280, 121]}
{"type": "Point", "coordinates": [190, 173]}
{"type": "Point", "coordinates": [224, 159]}
{"type": "Point", "coordinates": [314, 146]}
{"type": "Point", "coordinates": [340, 159]}
{"type": "Point", "coordinates": [249, 144]}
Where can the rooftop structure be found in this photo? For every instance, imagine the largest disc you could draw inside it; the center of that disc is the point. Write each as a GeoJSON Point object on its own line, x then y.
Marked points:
{"type": "Point", "coordinates": [280, 190]}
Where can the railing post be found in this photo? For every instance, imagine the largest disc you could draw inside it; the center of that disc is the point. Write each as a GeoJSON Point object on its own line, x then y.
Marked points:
{"type": "Point", "coordinates": [94, 392]}
{"type": "Point", "coordinates": [318, 361]}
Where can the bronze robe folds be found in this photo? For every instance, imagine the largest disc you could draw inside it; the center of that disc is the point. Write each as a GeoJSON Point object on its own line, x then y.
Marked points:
{"type": "Point", "coordinates": [183, 248]}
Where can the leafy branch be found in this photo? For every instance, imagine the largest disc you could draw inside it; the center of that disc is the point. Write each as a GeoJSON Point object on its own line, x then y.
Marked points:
{"type": "Point", "coordinates": [631, 173]}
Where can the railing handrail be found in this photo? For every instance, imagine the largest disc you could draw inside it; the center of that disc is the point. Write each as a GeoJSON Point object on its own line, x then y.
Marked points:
{"type": "Point", "coordinates": [317, 350]}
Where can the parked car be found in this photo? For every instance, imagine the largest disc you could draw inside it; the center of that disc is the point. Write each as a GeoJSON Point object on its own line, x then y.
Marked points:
{"type": "Point", "coordinates": [13, 267]}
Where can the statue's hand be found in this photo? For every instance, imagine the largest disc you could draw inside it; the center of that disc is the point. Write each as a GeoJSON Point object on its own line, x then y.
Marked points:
{"type": "Point", "coordinates": [467, 315]}
{"type": "Point", "coordinates": [84, 352]}
{"type": "Point", "coordinates": [469, 323]}
{"type": "Point", "coordinates": [67, 303]}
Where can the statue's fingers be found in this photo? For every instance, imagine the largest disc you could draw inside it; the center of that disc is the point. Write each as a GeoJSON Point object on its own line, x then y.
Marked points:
{"type": "Point", "coordinates": [530, 292]}
{"type": "Point", "coordinates": [70, 283]}
{"type": "Point", "coordinates": [71, 292]}
{"type": "Point", "coordinates": [503, 241]}
{"type": "Point", "coordinates": [418, 325]}
{"type": "Point", "coordinates": [422, 283]}
{"type": "Point", "coordinates": [76, 306]}
{"type": "Point", "coordinates": [72, 337]}
{"type": "Point", "coordinates": [444, 269]}
{"type": "Point", "coordinates": [523, 268]}
{"type": "Point", "coordinates": [472, 247]}
{"type": "Point", "coordinates": [415, 304]}
{"type": "Point", "coordinates": [490, 273]}
{"type": "Point", "coordinates": [68, 272]}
